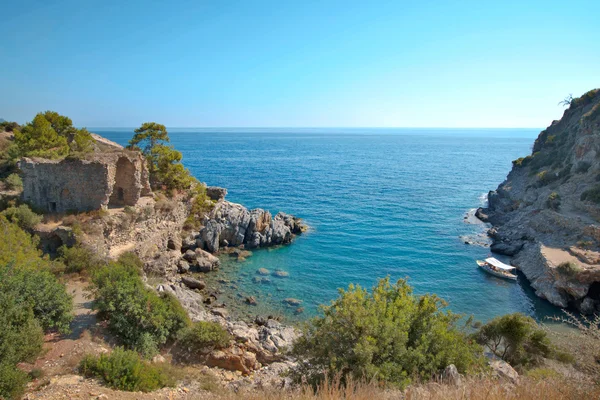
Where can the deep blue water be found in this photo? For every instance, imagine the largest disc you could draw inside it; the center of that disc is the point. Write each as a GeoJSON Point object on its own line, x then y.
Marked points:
{"type": "Point", "coordinates": [379, 201]}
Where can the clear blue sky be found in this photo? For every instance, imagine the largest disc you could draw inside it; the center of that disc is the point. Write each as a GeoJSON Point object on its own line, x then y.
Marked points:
{"type": "Point", "coordinates": [298, 63]}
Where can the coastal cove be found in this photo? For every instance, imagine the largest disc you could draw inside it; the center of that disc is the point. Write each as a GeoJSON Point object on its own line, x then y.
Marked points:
{"type": "Point", "coordinates": [379, 202]}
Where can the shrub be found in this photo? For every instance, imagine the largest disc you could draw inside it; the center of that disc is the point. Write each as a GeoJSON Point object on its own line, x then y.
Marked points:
{"type": "Point", "coordinates": [200, 205]}
{"type": "Point", "coordinates": [78, 259]}
{"type": "Point", "coordinates": [51, 304]}
{"type": "Point", "coordinates": [25, 274]}
{"type": "Point", "coordinates": [124, 370]}
{"type": "Point", "coordinates": [20, 341]}
{"type": "Point", "coordinates": [22, 216]}
{"type": "Point", "coordinates": [135, 314]}
{"type": "Point", "coordinates": [522, 161]}
{"type": "Point", "coordinates": [516, 339]}
{"type": "Point", "coordinates": [389, 334]}
{"type": "Point", "coordinates": [553, 201]}
{"type": "Point", "coordinates": [14, 182]}
{"type": "Point", "coordinates": [203, 336]}
{"type": "Point", "coordinates": [546, 177]}
{"type": "Point", "coordinates": [52, 135]}
{"type": "Point", "coordinates": [591, 195]}
{"type": "Point", "coordinates": [568, 268]}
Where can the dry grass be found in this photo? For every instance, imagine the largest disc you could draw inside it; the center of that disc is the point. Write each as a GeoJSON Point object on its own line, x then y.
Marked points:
{"type": "Point", "coordinates": [476, 389]}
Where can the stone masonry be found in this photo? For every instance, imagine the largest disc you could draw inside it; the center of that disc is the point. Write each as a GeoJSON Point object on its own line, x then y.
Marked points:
{"type": "Point", "coordinates": [100, 181]}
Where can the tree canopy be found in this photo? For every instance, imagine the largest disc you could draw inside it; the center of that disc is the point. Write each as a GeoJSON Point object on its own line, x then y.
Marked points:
{"type": "Point", "coordinates": [51, 135]}
{"type": "Point", "coordinates": [516, 339]}
{"type": "Point", "coordinates": [166, 169]}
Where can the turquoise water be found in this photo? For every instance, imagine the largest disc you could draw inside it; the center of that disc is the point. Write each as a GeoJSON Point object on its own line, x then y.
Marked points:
{"type": "Point", "coordinates": [379, 202]}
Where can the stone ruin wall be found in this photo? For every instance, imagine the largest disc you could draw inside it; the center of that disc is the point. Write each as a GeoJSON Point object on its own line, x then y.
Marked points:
{"type": "Point", "coordinates": [84, 185]}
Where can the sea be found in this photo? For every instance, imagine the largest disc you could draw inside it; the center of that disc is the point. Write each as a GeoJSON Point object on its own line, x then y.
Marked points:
{"type": "Point", "coordinates": [394, 203]}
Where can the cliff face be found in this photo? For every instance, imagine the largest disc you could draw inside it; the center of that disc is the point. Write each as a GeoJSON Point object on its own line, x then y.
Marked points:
{"type": "Point", "coordinates": [547, 211]}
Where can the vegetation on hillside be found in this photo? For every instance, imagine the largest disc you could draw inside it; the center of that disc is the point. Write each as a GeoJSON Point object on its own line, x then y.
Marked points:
{"type": "Point", "coordinates": [164, 162]}
{"type": "Point", "coordinates": [32, 301]}
{"type": "Point", "coordinates": [125, 370]}
{"type": "Point", "coordinates": [139, 317]}
{"type": "Point", "coordinates": [51, 135]}
{"type": "Point", "coordinates": [388, 334]}
{"type": "Point", "coordinates": [516, 339]}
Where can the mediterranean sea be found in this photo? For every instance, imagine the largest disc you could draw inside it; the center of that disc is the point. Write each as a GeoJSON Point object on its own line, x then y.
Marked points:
{"type": "Point", "coordinates": [380, 202]}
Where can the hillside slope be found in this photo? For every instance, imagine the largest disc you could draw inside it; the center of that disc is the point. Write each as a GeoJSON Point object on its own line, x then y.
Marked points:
{"type": "Point", "coordinates": [547, 211]}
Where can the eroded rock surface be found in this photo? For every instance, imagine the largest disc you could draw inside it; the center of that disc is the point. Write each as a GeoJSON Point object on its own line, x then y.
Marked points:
{"type": "Point", "coordinates": [546, 213]}
{"type": "Point", "coordinates": [231, 224]}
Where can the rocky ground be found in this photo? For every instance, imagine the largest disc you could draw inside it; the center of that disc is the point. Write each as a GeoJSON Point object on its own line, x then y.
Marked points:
{"type": "Point", "coordinates": [546, 213]}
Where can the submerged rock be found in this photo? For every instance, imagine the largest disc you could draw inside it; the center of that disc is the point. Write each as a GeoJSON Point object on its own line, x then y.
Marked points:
{"type": "Point", "coordinates": [281, 274]}
{"type": "Point", "coordinates": [292, 302]}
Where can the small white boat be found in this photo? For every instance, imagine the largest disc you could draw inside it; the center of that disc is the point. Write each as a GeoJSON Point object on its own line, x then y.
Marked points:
{"type": "Point", "coordinates": [497, 268]}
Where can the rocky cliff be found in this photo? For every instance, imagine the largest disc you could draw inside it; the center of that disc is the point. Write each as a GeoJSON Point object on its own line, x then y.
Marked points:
{"type": "Point", "coordinates": [546, 213]}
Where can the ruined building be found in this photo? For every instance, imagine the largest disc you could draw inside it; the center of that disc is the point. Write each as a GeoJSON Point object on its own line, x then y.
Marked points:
{"type": "Point", "coordinates": [113, 178]}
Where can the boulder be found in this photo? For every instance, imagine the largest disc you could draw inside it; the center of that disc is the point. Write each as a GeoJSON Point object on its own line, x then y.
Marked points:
{"type": "Point", "coordinates": [501, 369]}
{"type": "Point", "coordinates": [193, 283]}
{"type": "Point", "coordinates": [183, 266]}
{"type": "Point", "coordinates": [233, 359]}
{"type": "Point", "coordinates": [251, 300]}
{"type": "Point", "coordinates": [205, 262]}
{"type": "Point", "coordinates": [281, 274]}
{"type": "Point", "coordinates": [587, 306]}
{"type": "Point", "coordinates": [451, 375]}
{"type": "Point", "coordinates": [190, 256]}
{"type": "Point", "coordinates": [221, 312]}
{"type": "Point", "coordinates": [292, 302]}
{"type": "Point", "coordinates": [216, 193]}
{"type": "Point", "coordinates": [263, 271]}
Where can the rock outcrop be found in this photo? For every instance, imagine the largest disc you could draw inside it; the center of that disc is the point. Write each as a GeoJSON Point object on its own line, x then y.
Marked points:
{"type": "Point", "coordinates": [546, 213]}
{"type": "Point", "coordinates": [231, 224]}
{"type": "Point", "coordinates": [262, 342]}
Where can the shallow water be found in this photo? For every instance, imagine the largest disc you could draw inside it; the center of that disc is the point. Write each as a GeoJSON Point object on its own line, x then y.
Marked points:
{"type": "Point", "coordinates": [380, 202]}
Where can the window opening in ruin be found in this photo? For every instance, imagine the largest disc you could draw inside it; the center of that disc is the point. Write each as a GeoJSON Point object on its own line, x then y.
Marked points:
{"type": "Point", "coordinates": [52, 206]}
{"type": "Point", "coordinates": [120, 194]}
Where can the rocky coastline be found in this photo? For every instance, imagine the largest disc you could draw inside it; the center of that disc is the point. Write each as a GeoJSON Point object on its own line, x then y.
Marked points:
{"type": "Point", "coordinates": [546, 213]}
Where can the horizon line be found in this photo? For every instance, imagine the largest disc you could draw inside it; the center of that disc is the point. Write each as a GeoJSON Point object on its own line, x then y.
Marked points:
{"type": "Point", "coordinates": [323, 127]}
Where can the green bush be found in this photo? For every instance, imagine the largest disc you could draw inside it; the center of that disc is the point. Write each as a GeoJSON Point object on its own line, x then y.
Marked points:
{"type": "Point", "coordinates": [200, 205]}
{"type": "Point", "coordinates": [51, 304]}
{"type": "Point", "coordinates": [389, 334]}
{"type": "Point", "coordinates": [14, 182]}
{"type": "Point", "coordinates": [202, 337]}
{"type": "Point", "coordinates": [124, 370]}
{"type": "Point", "coordinates": [78, 259]}
{"type": "Point", "coordinates": [20, 341]}
{"type": "Point", "coordinates": [516, 339]}
{"type": "Point", "coordinates": [51, 135]}
{"type": "Point", "coordinates": [568, 268]}
{"type": "Point", "coordinates": [522, 161]}
{"type": "Point", "coordinates": [25, 274]}
{"type": "Point", "coordinates": [591, 195]}
{"type": "Point", "coordinates": [546, 177]}
{"type": "Point", "coordinates": [22, 216]}
{"type": "Point", "coordinates": [553, 201]}
{"type": "Point", "coordinates": [140, 318]}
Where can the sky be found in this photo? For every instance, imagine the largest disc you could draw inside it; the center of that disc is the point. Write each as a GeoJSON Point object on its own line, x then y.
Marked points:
{"type": "Point", "coordinates": [298, 63]}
